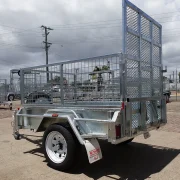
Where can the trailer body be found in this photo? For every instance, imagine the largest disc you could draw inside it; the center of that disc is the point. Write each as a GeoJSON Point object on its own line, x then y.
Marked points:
{"type": "Point", "coordinates": [112, 97]}
{"type": "Point", "coordinates": [4, 94]}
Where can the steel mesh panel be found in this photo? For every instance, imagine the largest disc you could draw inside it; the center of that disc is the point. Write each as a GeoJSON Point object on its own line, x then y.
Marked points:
{"type": "Point", "coordinates": [156, 55]}
{"type": "Point", "coordinates": [146, 82]}
{"type": "Point", "coordinates": [92, 85]}
{"type": "Point", "coordinates": [138, 22]}
{"type": "Point", "coordinates": [143, 43]}
{"type": "Point", "coordinates": [132, 92]}
{"type": "Point", "coordinates": [156, 74]}
{"type": "Point", "coordinates": [145, 27]}
{"type": "Point", "coordinates": [3, 90]}
{"type": "Point", "coordinates": [15, 82]}
{"type": "Point", "coordinates": [88, 81]}
{"type": "Point", "coordinates": [156, 33]}
{"type": "Point", "coordinates": [146, 90]}
{"type": "Point", "coordinates": [132, 70]}
{"type": "Point", "coordinates": [156, 92]}
{"type": "Point", "coordinates": [135, 120]}
{"type": "Point", "coordinates": [146, 51]}
{"type": "Point", "coordinates": [136, 116]}
{"type": "Point", "coordinates": [159, 113]}
{"type": "Point", "coordinates": [145, 74]}
{"type": "Point", "coordinates": [149, 114]}
{"type": "Point", "coordinates": [132, 45]}
{"type": "Point", "coordinates": [156, 81]}
{"type": "Point", "coordinates": [132, 19]}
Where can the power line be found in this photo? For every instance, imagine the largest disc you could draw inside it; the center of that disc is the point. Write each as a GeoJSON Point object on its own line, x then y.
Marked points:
{"type": "Point", "coordinates": [10, 27]}
{"type": "Point", "coordinates": [74, 26]}
{"type": "Point", "coordinates": [18, 46]}
{"type": "Point", "coordinates": [166, 13]}
{"type": "Point", "coordinates": [119, 19]}
{"type": "Point", "coordinates": [20, 32]}
{"type": "Point", "coordinates": [76, 42]}
{"type": "Point", "coordinates": [21, 45]}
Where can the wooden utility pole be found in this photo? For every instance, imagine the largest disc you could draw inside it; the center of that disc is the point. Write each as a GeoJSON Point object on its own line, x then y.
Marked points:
{"type": "Point", "coordinates": [176, 84]}
{"type": "Point", "coordinates": [47, 46]}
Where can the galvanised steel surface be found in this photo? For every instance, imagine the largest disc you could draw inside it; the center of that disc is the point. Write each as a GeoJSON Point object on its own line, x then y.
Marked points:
{"type": "Point", "coordinates": [88, 92]}
{"type": "Point", "coordinates": [142, 45]}
{"type": "Point", "coordinates": [3, 90]}
{"type": "Point", "coordinates": [15, 82]}
{"type": "Point", "coordinates": [92, 81]}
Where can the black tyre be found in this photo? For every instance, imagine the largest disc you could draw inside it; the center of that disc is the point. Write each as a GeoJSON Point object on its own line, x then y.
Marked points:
{"type": "Point", "coordinates": [59, 147]}
{"type": "Point", "coordinates": [17, 136]}
{"type": "Point", "coordinates": [10, 97]}
{"type": "Point", "coordinates": [128, 141]}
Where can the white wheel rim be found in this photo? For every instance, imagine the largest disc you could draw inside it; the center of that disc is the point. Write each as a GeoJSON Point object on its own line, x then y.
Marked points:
{"type": "Point", "coordinates": [56, 147]}
{"type": "Point", "coordinates": [10, 98]}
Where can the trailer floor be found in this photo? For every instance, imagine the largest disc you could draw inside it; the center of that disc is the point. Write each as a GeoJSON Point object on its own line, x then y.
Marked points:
{"type": "Point", "coordinates": [157, 157]}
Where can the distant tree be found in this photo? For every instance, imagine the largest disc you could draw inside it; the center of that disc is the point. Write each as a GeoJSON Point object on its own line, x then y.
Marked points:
{"type": "Point", "coordinates": [105, 68]}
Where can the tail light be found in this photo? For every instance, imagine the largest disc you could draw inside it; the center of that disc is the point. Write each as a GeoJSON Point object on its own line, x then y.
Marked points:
{"type": "Point", "coordinates": [122, 105]}
{"type": "Point", "coordinates": [54, 115]}
{"type": "Point", "coordinates": [118, 131]}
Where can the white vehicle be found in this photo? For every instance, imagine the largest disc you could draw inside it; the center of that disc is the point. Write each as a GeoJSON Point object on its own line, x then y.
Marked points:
{"type": "Point", "coordinates": [115, 112]}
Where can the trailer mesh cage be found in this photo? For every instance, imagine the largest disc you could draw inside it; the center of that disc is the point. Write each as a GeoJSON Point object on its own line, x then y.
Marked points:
{"type": "Point", "coordinates": [3, 90]}
{"type": "Point", "coordinates": [133, 77]}
{"type": "Point", "coordinates": [92, 81]}
{"type": "Point", "coordinates": [15, 82]}
{"type": "Point", "coordinates": [142, 45]}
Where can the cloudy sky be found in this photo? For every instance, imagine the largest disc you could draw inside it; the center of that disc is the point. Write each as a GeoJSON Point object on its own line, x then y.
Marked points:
{"type": "Point", "coordinates": [82, 28]}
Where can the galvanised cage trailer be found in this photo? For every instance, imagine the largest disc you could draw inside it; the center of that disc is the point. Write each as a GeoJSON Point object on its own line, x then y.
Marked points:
{"type": "Point", "coordinates": [15, 83]}
{"type": "Point", "coordinates": [114, 97]}
{"type": "Point", "coordinates": [4, 94]}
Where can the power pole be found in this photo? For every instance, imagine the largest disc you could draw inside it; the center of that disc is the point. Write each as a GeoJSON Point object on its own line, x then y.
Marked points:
{"type": "Point", "coordinates": [176, 84]}
{"type": "Point", "coordinates": [173, 76]}
{"type": "Point", "coordinates": [47, 46]}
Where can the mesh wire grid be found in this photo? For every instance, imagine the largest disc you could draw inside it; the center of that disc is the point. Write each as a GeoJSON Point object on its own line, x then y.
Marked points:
{"type": "Point", "coordinates": [90, 81]}
{"type": "Point", "coordinates": [3, 90]}
{"type": "Point", "coordinates": [142, 40]}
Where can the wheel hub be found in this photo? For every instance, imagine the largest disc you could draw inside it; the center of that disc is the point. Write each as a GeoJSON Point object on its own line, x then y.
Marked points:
{"type": "Point", "coordinates": [56, 147]}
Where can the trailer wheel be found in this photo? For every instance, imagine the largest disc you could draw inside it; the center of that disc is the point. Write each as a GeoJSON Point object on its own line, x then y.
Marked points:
{"type": "Point", "coordinates": [10, 97]}
{"type": "Point", "coordinates": [128, 141]}
{"type": "Point", "coordinates": [17, 136]}
{"type": "Point", "coordinates": [59, 147]}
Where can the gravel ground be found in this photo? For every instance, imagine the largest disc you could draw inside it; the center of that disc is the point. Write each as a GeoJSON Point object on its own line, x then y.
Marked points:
{"type": "Point", "coordinates": [5, 112]}
{"type": "Point", "coordinates": [173, 117]}
{"type": "Point", "coordinates": [157, 157]}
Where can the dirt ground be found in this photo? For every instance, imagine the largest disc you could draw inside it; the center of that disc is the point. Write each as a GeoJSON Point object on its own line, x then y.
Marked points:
{"type": "Point", "coordinates": [5, 112]}
{"type": "Point", "coordinates": [155, 158]}
{"type": "Point", "coordinates": [173, 115]}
